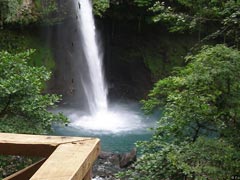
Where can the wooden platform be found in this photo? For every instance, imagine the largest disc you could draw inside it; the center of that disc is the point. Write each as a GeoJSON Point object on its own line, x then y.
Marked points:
{"type": "Point", "coordinates": [65, 158]}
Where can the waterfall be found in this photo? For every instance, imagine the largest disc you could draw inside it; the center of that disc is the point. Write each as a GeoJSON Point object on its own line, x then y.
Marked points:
{"type": "Point", "coordinates": [80, 75]}
{"type": "Point", "coordinates": [95, 89]}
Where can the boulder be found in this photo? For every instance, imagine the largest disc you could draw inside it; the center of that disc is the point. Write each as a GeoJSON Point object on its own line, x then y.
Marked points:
{"type": "Point", "coordinates": [128, 158]}
{"type": "Point", "coordinates": [108, 164]}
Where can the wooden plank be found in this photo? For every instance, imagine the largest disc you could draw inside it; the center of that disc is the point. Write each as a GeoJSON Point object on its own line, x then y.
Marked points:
{"type": "Point", "coordinates": [37, 139]}
{"type": "Point", "coordinates": [71, 161]}
{"type": "Point", "coordinates": [32, 145]}
{"type": "Point", "coordinates": [88, 176]}
{"type": "Point", "coordinates": [71, 157]}
{"type": "Point", "coordinates": [37, 150]}
{"type": "Point", "coordinates": [26, 173]}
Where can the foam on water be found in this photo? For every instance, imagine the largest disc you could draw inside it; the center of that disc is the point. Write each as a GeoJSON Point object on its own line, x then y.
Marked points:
{"type": "Point", "coordinates": [120, 118]}
{"type": "Point", "coordinates": [118, 128]}
{"type": "Point", "coordinates": [118, 125]}
{"type": "Point", "coordinates": [116, 120]}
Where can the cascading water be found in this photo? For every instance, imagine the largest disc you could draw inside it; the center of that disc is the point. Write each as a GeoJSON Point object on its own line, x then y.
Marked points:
{"type": "Point", "coordinates": [103, 118]}
{"type": "Point", "coordinates": [118, 125]}
{"type": "Point", "coordinates": [95, 90]}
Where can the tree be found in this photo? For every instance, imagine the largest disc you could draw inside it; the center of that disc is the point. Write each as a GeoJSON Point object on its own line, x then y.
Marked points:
{"type": "Point", "coordinates": [23, 107]}
{"type": "Point", "coordinates": [99, 7]}
{"type": "Point", "coordinates": [208, 19]}
{"type": "Point", "coordinates": [26, 12]}
{"type": "Point", "coordinates": [211, 19]}
{"type": "Point", "coordinates": [198, 135]}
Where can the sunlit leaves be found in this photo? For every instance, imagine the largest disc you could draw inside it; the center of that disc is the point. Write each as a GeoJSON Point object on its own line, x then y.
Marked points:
{"type": "Point", "coordinates": [100, 6]}
{"type": "Point", "coordinates": [21, 92]}
{"type": "Point", "coordinates": [163, 13]}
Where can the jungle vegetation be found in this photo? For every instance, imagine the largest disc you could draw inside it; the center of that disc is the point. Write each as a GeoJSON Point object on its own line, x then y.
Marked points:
{"type": "Point", "coordinates": [198, 135]}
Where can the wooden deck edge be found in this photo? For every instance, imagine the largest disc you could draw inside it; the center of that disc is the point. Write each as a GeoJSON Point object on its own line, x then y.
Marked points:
{"type": "Point", "coordinates": [27, 172]}
{"type": "Point", "coordinates": [71, 161]}
{"type": "Point", "coordinates": [68, 158]}
{"type": "Point", "coordinates": [40, 145]}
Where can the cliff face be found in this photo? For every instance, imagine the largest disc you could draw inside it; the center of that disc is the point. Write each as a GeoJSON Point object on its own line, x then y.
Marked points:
{"type": "Point", "coordinates": [135, 60]}
{"type": "Point", "coordinates": [134, 57]}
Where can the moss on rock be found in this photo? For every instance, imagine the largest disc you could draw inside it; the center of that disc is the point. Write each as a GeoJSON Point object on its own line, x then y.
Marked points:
{"type": "Point", "coordinates": [15, 42]}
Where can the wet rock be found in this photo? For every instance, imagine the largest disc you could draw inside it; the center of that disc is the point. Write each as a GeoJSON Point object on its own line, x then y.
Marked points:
{"type": "Point", "coordinates": [108, 164]}
{"type": "Point", "coordinates": [110, 158]}
{"type": "Point", "coordinates": [127, 159]}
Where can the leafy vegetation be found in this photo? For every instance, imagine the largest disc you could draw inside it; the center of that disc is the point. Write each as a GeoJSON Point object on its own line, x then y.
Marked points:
{"type": "Point", "coordinates": [23, 106]}
{"type": "Point", "coordinates": [16, 42]}
{"type": "Point", "coordinates": [197, 137]}
{"type": "Point", "coordinates": [160, 54]}
{"type": "Point", "coordinates": [209, 19]}
{"type": "Point", "coordinates": [9, 164]}
{"type": "Point", "coordinates": [100, 7]}
{"type": "Point", "coordinates": [26, 12]}
{"type": "Point", "coordinates": [21, 93]}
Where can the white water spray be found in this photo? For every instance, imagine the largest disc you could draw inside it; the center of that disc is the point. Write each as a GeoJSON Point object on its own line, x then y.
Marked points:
{"type": "Point", "coordinates": [96, 90]}
{"type": "Point", "coordinates": [102, 119]}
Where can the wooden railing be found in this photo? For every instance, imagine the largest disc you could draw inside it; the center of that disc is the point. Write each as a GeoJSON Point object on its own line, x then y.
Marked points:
{"type": "Point", "coordinates": [65, 158]}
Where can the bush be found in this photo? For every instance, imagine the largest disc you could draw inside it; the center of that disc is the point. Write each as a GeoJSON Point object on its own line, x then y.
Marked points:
{"type": "Point", "coordinates": [198, 135]}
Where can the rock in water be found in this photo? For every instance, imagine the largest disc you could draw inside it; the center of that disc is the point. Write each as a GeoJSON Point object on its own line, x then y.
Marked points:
{"type": "Point", "coordinates": [108, 164]}
{"type": "Point", "coordinates": [128, 158]}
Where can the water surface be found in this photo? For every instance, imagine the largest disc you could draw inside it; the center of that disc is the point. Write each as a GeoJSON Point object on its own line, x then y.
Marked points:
{"type": "Point", "coordinates": [119, 128]}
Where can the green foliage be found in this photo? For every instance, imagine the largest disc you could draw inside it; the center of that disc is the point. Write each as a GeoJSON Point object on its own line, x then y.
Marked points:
{"type": "Point", "coordinates": [142, 3]}
{"type": "Point", "coordinates": [166, 14]}
{"type": "Point", "coordinates": [231, 22]}
{"type": "Point", "coordinates": [217, 18]}
{"type": "Point", "coordinates": [26, 12]}
{"type": "Point", "coordinates": [163, 54]}
{"type": "Point", "coordinates": [211, 19]}
{"type": "Point", "coordinates": [17, 42]}
{"type": "Point", "coordinates": [160, 53]}
{"type": "Point", "coordinates": [17, 11]}
{"type": "Point", "coordinates": [46, 11]}
{"type": "Point", "coordinates": [21, 95]}
{"type": "Point", "coordinates": [10, 164]}
{"type": "Point", "coordinates": [100, 6]}
{"type": "Point", "coordinates": [23, 108]}
{"type": "Point", "coordinates": [185, 14]}
{"type": "Point", "coordinates": [198, 135]}
{"type": "Point", "coordinates": [206, 158]}
{"type": "Point", "coordinates": [8, 9]}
